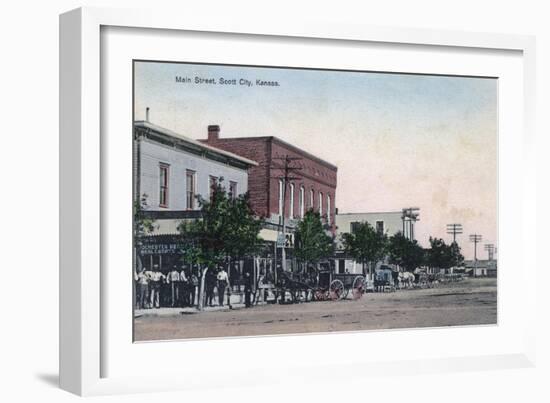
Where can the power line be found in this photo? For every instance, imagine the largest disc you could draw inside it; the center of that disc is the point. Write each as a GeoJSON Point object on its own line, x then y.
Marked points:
{"type": "Point", "coordinates": [454, 230]}
{"type": "Point", "coordinates": [490, 248]}
{"type": "Point", "coordinates": [475, 238]}
{"type": "Point", "coordinates": [286, 177]}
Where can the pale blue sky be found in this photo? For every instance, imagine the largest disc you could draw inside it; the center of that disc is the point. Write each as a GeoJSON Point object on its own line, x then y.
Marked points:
{"type": "Point", "coordinates": [398, 140]}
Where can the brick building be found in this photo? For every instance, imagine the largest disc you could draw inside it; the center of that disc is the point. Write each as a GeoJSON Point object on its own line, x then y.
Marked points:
{"type": "Point", "coordinates": [315, 187]}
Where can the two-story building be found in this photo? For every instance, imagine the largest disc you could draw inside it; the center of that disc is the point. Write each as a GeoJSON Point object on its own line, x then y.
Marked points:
{"type": "Point", "coordinates": [312, 183]}
{"type": "Point", "coordinates": [388, 223]}
{"type": "Point", "coordinates": [170, 172]}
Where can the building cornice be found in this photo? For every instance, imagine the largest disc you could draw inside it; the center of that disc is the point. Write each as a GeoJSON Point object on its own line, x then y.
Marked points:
{"type": "Point", "coordinates": [193, 145]}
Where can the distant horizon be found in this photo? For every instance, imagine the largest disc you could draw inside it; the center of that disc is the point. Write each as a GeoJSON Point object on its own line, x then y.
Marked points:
{"type": "Point", "coordinates": [397, 139]}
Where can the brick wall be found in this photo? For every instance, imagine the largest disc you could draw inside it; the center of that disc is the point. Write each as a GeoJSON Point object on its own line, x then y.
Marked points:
{"type": "Point", "coordinates": [256, 149]}
{"type": "Point", "coordinates": [263, 184]}
{"type": "Point", "coordinates": [314, 175]}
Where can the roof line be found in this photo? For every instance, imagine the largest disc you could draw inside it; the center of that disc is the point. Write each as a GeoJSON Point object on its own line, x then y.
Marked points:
{"type": "Point", "coordinates": [286, 144]}
{"type": "Point", "coordinates": [309, 155]}
{"type": "Point", "coordinates": [373, 212]}
{"type": "Point", "coordinates": [200, 144]}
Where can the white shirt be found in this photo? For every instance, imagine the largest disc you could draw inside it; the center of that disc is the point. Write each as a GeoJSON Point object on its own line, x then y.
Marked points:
{"type": "Point", "coordinates": [222, 276]}
{"type": "Point", "coordinates": [157, 276]}
{"type": "Point", "coordinates": [173, 276]}
{"type": "Point", "coordinates": [142, 278]}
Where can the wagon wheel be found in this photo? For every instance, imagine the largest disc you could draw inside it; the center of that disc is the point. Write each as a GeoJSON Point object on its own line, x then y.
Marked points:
{"type": "Point", "coordinates": [319, 295]}
{"type": "Point", "coordinates": [337, 290]}
{"type": "Point", "coordinates": [358, 287]}
{"type": "Point", "coordinates": [325, 295]}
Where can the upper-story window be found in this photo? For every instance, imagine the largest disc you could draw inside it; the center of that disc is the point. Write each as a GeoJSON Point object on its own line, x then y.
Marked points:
{"type": "Point", "coordinates": [380, 227]}
{"type": "Point", "coordinates": [233, 189]}
{"type": "Point", "coordinates": [301, 201]}
{"type": "Point", "coordinates": [354, 226]}
{"type": "Point", "coordinates": [311, 198]}
{"type": "Point", "coordinates": [320, 204]}
{"type": "Point", "coordinates": [212, 185]}
{"type": "Point", "coordinates": [190, 189]}
{"type": "Point", "coordinates": [291, 212]}
{"type": "Point", "coordinates": [281, 197]}
{"type": "Point", "coordinates": [163, 184]}
{"type": "Point", "coordinates": [328, 209]}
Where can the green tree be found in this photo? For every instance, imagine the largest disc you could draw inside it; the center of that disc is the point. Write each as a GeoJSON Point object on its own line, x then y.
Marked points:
{"type": "Point", "coordinates": [457, 259]}
{"type": "Point", "coordinates": [437, 255]}
{"type": "Point", "coordinates": [143, 225]}
{"type": "Point", "coordinates": [311, 241]}
{"type": "Point", "coordinates": [242, 228]}
{"type": "Point", "coordinates": [405, 252]}
{"type": "Point", "coordinates": [443, 256]}
{"type": "Point", "coordinates": [365, 245]}
{"type": "Point", "coordinates": [226, 230]}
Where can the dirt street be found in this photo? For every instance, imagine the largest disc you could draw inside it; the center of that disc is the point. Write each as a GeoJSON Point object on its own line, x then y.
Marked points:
{"type": "Point", "coordinates": [470, 302]}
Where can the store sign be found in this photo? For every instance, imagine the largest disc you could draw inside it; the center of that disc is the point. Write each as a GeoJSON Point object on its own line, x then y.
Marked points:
{"type": "Point", "coordinates": [286, 240]}
{"type": "Point", "coordinates": [160, 245]}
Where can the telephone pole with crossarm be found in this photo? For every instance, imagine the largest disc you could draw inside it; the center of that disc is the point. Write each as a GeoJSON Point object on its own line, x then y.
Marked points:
{"type": "Point", "coordinates": [475, 238]}
{"type": "Point", "coordinates": [454, 230]}
{"type": "Point", "coordinates": [286, 177]}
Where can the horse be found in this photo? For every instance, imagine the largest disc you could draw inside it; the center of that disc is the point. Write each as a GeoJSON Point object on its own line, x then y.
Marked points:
{"type": "Point", "coordinates": [406, 279]}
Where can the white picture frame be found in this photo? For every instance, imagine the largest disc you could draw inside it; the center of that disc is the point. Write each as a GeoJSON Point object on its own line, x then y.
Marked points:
{"type": "Point", "coordinates": [82, 298]}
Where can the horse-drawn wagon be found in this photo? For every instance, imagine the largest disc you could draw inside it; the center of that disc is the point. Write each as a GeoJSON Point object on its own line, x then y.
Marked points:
{"type": "Point", "coordinates": [384, 279]}
{"type": "Point", "coordinates": [339, 285]}
{"type": "Point", "coordinates": [316, 285]}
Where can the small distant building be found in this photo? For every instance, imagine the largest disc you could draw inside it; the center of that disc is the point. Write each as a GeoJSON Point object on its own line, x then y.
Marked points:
{"type": "Point", "coordinates": [388, 223]}
{"type": "Point", "coordinates": [170, 170]}
{"type": "Point", "coordinates": [481, 268]}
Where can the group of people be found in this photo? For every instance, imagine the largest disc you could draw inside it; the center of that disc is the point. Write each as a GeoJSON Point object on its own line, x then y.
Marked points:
{"type": "Point", "coordinates": [178, 288]}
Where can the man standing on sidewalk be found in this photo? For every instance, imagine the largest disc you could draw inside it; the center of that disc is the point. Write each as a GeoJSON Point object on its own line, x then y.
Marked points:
{"type": "Point", "coordinates": [156, 280]}
{"type": "Point", "coordinates": [210, 285]}
{"type": "Point", "coordinates": [223, 281]}
{"type": "Point", "coordinates": [247, 289]}
{"type": "Point", "coordinates": [142, 281]}
{"type": "Point", "coordinates": [184, 288]}
{"type": "Point", "coordinates": [193, 285]}
{"type": "Point", "coordinates": [173, 279]}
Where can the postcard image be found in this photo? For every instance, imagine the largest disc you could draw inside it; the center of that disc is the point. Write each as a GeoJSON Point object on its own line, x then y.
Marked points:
{"type": "Point", "coordinates": [272, 200]}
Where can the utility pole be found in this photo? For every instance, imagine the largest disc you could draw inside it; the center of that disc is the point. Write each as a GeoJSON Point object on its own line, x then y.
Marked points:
{"type": "Point", "coordinates": [409, 216]}
{"type": "Point", "coordinates": [286, 177]}
{"type": "Point", "coordinates": [454, 230]}
{"type": "Point", "coordinates": [490, 248]}
{"type": "Point", "coordinates": [475, 238]}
